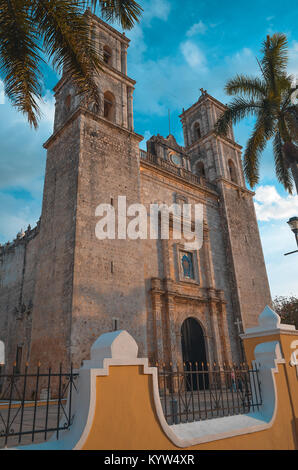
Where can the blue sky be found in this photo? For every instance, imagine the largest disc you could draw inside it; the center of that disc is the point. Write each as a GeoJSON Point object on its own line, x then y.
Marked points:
{"type": "Point", "coordinates": [178, 48]}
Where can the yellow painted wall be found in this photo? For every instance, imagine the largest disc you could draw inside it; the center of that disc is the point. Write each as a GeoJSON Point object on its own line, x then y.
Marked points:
{"type": "Point", "coordinates": [285, 340]}
{"type": "Point", "coordinates": [125, 417]}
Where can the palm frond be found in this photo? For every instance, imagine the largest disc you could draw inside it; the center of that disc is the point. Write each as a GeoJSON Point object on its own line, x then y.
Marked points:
{"type": "Point", "coordinates": [238, 109]}
{"type": "Point", "coordinates": [125, 12]}
{"type": "Point", "coordinates": [249, 86]}
{"type": "Point", "coordinates": [68, 44]}
{"type": "Point", "coordinates": [275, 59]}
{"type": "Point", "coordinates": [255, 146]}
{"type": "Point", "coordinates": [283, 173]}
{"type": "Point", "coordinates": [20, 57]}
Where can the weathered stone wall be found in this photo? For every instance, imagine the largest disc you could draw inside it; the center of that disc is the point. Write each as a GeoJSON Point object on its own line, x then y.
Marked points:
{"type": "Point", "coordinates": [18, 262]}
{"type": "Point", "coordinates": [247, 255]}
{"type": "Point", "coordinates": [108, 274]}
{"type": "Point", "coordinates": [52, 303]}
{"type": "Point", "coordinates": [80, 286]}
{"type": "Point", "coordinates": [160, 261]}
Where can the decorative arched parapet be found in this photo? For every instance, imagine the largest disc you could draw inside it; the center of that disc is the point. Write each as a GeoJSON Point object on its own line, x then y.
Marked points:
{"type": "Point", "coordinates": [118, 407]}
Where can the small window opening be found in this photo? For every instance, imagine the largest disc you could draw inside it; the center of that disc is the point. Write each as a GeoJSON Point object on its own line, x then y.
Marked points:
{"type": "Point", "coordinates": [109, 106]}
{"type": "Point", "coordinates": [107, 55]}
{"type": "Point", "coordinates": [18, 362]}
{"type": "Point", "coordinates": [197, 131]}
{"type": "Point", "coordinates": [232, 171]}
{"type": "Point", "coordinates": [201, 170]}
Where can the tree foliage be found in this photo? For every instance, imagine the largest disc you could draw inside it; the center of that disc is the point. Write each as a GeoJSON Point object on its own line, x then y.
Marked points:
{"type": "Point", "coordinates": [58, 31]}
{"type": "Point", "coordinates": [287, 309]}
{"type": "Point", "coordinates": [268, 98]}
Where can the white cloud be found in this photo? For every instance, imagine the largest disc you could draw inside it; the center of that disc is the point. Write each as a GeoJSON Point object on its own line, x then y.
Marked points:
{"type": "Point", "coordinates": [277, 239]}
{"type": "Point", "coordinates": [243, 61]}
{"type": "Point", "coordinates": [197, 28]}
{"type": "Point", "coordinates": [22, 155]}
{"type": "Point", "coordinates": [273, 211]}
{"type": "Point", "coordinates": [17, 214]}
{"type": "Point", "coordinates": [192, 54]}
{"type": "Point", "coordinates": [147, 136]}
{"type": "Point", "coordinates": [22, 167]}
{"type": "Point", "coordinates": [271, 206]}
{"type": "Point", "coordinates": [159, 9]}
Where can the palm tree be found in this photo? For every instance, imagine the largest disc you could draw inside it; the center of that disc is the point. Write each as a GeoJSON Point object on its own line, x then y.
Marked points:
{"type": "Point", "coordinates": [270, 99]}
{"type": "Point", "coordinates": [58, 31]}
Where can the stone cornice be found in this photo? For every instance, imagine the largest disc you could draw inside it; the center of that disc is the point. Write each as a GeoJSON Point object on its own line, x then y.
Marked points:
{"type": "Point", "coordinates": [171, 288]}
{"type": "Point", "coordinates": [85, 112]}
{"type": "Point", "coordinates": [105, 68]}
{"type": "Point", "coordinates": [212, 133]}
{"type": "Point", "coordinates": [121, 36]}
{"type": "Point", "coordinates": [169, 142]}
{"type": "Point", "coordinates": [235, 186]}
{"type": "Point", "coordinates": [201, 100]}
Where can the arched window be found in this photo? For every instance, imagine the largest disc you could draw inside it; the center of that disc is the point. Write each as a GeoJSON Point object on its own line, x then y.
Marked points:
{"type": "Point", "coordinates": [197, 131]}
{"type": "Point", "coordinates": [200, 169]}
{"type": "Point", "coordinates": [107, 55]}
{"type": "Point", "coordinates": [109, 106]}
{"type": "Point", "coordinates": [232, 171]}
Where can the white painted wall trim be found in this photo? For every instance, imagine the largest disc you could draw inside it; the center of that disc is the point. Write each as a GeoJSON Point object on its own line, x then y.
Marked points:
{"type": "Point", "coordinates": [268, 356]}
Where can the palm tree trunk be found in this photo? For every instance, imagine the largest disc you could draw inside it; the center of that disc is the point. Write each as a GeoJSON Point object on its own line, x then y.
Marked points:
{"type": "Point", "coordinates": [290, 151]}
{"type": "Point", "coordinates": [294, 169]}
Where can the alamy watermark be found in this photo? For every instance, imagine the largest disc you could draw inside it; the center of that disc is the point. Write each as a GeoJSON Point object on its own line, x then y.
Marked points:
{"type": "Point", "coordinates": [136, 222]}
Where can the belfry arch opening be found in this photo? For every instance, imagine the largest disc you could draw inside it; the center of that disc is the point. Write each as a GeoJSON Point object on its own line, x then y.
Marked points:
{"type": "Point", "coordinates": [194, 353]}
{"type": "Point", "coordinates": [107, 55]}
{"type": "Point", "coordinates": [232, 171]}
{"type": "Point", "coordinates": [109, 106]}
{"type": "Point", "coordinates": [200, 169]}
{"type": "Point", "coordinates": [197, 131]}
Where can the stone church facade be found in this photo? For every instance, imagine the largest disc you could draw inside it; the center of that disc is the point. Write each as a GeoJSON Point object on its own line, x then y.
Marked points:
{"type": "Point", "coordinates": [61, 287]}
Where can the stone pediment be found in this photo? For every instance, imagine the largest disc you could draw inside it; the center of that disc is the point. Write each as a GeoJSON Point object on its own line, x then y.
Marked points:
{"type": "Point", "coordinates": [169, 141]}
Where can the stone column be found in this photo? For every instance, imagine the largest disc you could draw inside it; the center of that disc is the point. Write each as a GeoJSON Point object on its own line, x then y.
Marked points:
{"type": "Point", "coordinates": [226, 345]}
{"type": "Point", "coordinates": [130, 108]}
{"type": "Point", "coordinates": [215, 326]}
{"type": "Point", "coordinates": [157, 319]}
{"type": "Point", "coordinates": [123, 59]}
{"type": "Point", "coordinates": [208, 259]}
{"type": "Point", "coordinates": [124, 106]}
{"type": "Point", "coordinates": [171, 339]}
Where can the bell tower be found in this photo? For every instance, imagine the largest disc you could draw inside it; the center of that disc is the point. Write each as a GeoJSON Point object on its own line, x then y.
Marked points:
{"type": "Point", "coordinates": [218, 159]}
{"type": "Point", "coordinates": [221, 157]}
{"type": "Point", "coordinates": [90, 285]}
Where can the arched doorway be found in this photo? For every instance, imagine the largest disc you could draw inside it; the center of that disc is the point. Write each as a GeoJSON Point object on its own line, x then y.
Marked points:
{"type": "Point", "coordinates": [194, 351]}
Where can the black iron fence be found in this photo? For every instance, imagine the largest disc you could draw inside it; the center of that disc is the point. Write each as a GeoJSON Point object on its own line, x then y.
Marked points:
{"type": "Point", "coordinates": [194, 392]}
{"type": "Point", "coordinates": [33, 404]}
